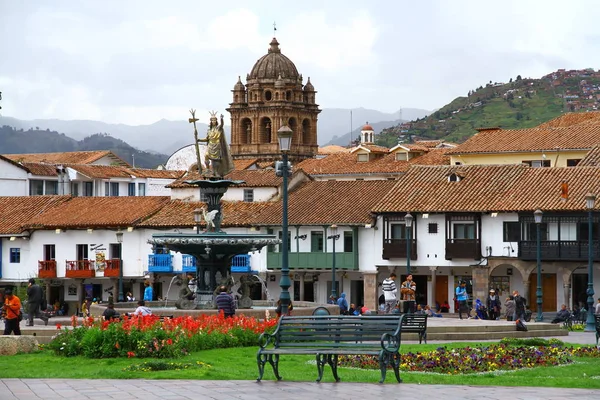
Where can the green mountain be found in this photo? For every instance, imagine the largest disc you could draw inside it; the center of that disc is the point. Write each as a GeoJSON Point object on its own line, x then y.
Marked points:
{"type": "Point", "coordinates": [16, 141]}
{"type": "Point", "coordinates": [520, 103]}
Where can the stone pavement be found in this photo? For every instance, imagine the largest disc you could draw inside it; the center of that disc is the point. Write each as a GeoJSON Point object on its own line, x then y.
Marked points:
{"type": "Point", "coordinates": [25, 389]}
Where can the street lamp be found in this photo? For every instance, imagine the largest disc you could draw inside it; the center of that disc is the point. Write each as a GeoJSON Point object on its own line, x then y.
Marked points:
{"type": "Point", "coordinates": [537, 217]}
{"type": "Point", "coordinates": [333, 236]}
{"type": "Point", "coordinates": [284, 136]}
{"type": "Point", "coordinates": [408, 221]}
{"type": "Point", "coordinates": [120, 241]}
{"type": "Point", "coordinates": [590, 326]}
{"type": "Point", "coordinates": [198, 219]}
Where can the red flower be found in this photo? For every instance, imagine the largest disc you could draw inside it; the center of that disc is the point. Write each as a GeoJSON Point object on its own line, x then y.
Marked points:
{"type": "Point", "coordinates": [130, 354]}
{"type": "Point", "coordinates": [58, 326]}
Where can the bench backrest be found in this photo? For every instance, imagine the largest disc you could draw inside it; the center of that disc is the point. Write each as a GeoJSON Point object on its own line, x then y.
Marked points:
{"type": "Point", "coordinates": [597, 317]}
{"type": "Point", "coordinates": [414, 323]}
{"type": "Point", "coordinates": [335, 330]}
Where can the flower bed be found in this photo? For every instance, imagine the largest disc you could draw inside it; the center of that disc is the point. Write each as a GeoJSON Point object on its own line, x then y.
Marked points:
{"type": "Point", "coordinates": [503, 356]}
{"type": "Point", "coordinates": [150, 337]}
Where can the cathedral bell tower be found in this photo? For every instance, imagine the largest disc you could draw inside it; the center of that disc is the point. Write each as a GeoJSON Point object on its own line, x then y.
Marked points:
{"type": "Point", "coordinates": [273, 96]}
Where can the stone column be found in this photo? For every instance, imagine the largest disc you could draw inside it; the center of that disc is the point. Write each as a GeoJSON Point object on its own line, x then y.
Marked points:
{"type": "Point", "coordinates": [431, 296]}
{"type": "Point", "coordinates": [370, 290]}
{"type": "Point", "coordinates": [480, 283]}
{"type": "Point", "coordinates": [48, 299]}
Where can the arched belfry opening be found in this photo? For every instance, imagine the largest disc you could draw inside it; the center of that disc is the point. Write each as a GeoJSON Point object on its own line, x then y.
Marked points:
{"type": "Point", "coordinates": [277, 94]}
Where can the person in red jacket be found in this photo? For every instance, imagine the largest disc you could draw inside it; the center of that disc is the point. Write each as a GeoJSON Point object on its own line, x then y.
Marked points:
{"type": "Point", "coordinates": [12, 308]}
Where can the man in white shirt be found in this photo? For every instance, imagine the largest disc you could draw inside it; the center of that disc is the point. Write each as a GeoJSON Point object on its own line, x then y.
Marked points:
{"type": "Point", "coordinates": [390, 293]}
{"type": "Point", "coordinates": [597, 311]}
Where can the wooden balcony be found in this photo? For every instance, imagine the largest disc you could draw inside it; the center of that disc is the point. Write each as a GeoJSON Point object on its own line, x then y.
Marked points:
{"type": "Point", "coordinates": [241, 263]}
{"type": "Point", "coordinates": [112, 268]}
{"type": "Point", "coordinates": [396, 248]}
{"type": "Point", "coordinates": [160, 263]}
{"type": "Point", "coordinates": [555, 250]}
{"type": "Point", "coordinates": [47, 269]}
{"type": "Point", "coordinates": [80, 269]}
{"type": "Point", "coordinates": [315, 260]}
{"type": "Point", "coordinates": [463, 248]}
{"type": "Point", "coordinates": [188, 263]}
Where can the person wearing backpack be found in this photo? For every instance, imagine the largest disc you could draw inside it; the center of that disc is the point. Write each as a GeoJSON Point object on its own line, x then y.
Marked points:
{"type": "Point", "coordinates": [343, 304]}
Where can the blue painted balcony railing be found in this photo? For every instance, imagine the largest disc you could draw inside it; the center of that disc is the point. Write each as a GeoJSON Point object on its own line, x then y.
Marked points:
{"type": "Point", "coordinates": [188, 263]}
{"type": "Point", "coordinates": [241, 263]}
{"type": "Point", "coordinates": [160, 263]}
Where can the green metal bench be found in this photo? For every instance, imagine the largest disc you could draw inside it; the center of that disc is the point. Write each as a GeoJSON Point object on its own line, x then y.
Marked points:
{"type": "Point", "coordinates": [415, 323]}
{"type": "Point", "coordinates": [328, 337]}
{"type": "Point", "coordinates": [597, 318]}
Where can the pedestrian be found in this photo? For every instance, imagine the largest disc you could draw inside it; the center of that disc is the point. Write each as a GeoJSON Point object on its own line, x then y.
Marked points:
{"type": "Point", "coordinates": [142, 310]}
{"type": "Point", "coordinates": [34, 301]}
{"type": "Point", "coordinates": [11, 311]}
{"type": "Point", "coordinates": [597, 312]}
{"type": "Point", "coordinates": [463, 298]}
{"type": "Point", "coordinates": [148, 291]}
{"type": "Point", "coordinates": [343, 304]}
{"type": "Point", "coordinates": [390, 293]}
{"type": "Point", "coordinates": [562, 315]}
{"type": "Point", "coordinates": [509, 303]}
{"type": "Point", "coordinates": [519, 306]}
{"type": "Point", "coordinates": [225, 302]}
{"type": "Point", "coordinates": [408, 291]}
{"type": "Point", "coordinates": [110, 313]}
{"type": "Point", "coordinates": [279, 309]}
{"type": "Point", "coordinates": [493, 305]}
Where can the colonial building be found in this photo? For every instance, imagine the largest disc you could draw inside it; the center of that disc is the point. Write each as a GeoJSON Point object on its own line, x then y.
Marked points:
{"type": "Point", "coordinates": [274, 95]}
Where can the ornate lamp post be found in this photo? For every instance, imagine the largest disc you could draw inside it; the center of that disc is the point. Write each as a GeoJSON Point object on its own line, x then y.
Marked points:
{"type": "Point", "coordinates": [590, 326]}
{"type": "Point", "coordinates": [537, 217]}
{"type": "Point", "coordinates": [120, 241]}
{"type": "Point", "coordinates": [333, 236]}
{"type": "Point", "coordinates": [408, 221]}
{"type": "Point", "coordinates": [284, 136]}
{"type": "Point", "coordinates": [197, 218]}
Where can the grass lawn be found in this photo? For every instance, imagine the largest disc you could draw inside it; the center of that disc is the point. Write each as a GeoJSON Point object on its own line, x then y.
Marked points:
{"type": "Point", "coordinates": [240, 364]}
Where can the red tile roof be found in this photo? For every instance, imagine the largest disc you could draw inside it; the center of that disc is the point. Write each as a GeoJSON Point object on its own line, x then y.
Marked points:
{"type": "Point", "coordinates": [328, 202]}
{"type": "Point", "coordinates": [373, 148]}
{"type": "Point", "coordinates": [10, 161]}
{"type": "Point", "coordinates": [331, 149]}
{"type": "Point", "coordinates": [101, 171]}
{"type": "Point", "coordinates": [41, 169]}
{"type": "Point", "coordinates": [92, 212]}
{"type": "Point", "coordinates": [251, 177]}
{"type": "Point", "coordinates": [73, 157]}
{"type": "Point", "coordinates": [156, 173]}
{"type": "Point", "coordinates": [486, 188]}
{"type": "Point", "coordinates": [244, 164]}
{"type": "Point", "coordinates": [591, 159]}
{"type": "Point", "coordinates": [18, 211]}
{"type": "Point", "coordinates": [571, 119]}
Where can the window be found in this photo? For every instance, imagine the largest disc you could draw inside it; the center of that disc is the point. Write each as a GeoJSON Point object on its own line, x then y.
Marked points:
{"type": "Point", "coordinates": [464, 231]}
{"type": "Point", "coordinates": [88, 188]}
{"type": "Point", "coordinates": [203, 196]}
{"type": "Point", "coordinates": [106, 189]}
{"type": "Point", "coordinates": [583, 231]}
{"type": "Point", "coordinates": [401, 156]}
{"type": "Point", "coordinates": [398, 231]}
{"type": "Point", "coordinates": [75, 189]}
{"type": "Point", "coordinates": [573, 162]}
{"type": "Point", "coordinates": [131, 189]}
{"type": "Point", "coordinates": [532, 231]}
{"type": "Point", "coordinates": [280, 246]}
{"type": "Point", "coordinates": [49, 252]}
{"type": "Point", "coordinates": [316, 241]}
{"type": "Point", "coordinates": [51, 187]}
{"type": "Point", "coordinates": [363, 158]}
{"type": "Point", "coordinates": [82, 251]}
{"type": "Point", "coordinates": [141, 189]}
{"type": "Point", "coordinates": [15, 255]}
{"type": "Point", "coordinates": [511, 232]}
{"type": "Point", "coordinates": [114, 188]}
{"type": "Point", "coordinates": [36, 187]}
{"type": "Point", "coordinates": [270, 247]}
{"type": "Point", "coordinates": [432, 228]}
{"type": "Point", "coordinates": [249, 195]}
{"type": "Point", "coordinates": [114, 250]}
{"type": "Point", "coordinates": [348, 242]}
{"type": "Point", "coordinates": [453, 178]}
{"type": "Point", "coordinates": [537, 163]}
{"type": "Point", "coordinates": [160, 249]}
{"type": "Point", "coordinates": [268, 95]}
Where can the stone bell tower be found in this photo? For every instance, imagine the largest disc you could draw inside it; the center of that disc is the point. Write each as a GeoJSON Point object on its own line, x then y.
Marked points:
{"type": "Point", "coordinates": [274, 95]}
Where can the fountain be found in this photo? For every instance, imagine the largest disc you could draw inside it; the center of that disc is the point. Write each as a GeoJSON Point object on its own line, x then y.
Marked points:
{"type": "Point", "coordinates": [213, 248]}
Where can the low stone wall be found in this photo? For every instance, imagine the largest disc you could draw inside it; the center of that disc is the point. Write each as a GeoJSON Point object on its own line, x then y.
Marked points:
{"type": "Point", "coordinates": [11, 345]}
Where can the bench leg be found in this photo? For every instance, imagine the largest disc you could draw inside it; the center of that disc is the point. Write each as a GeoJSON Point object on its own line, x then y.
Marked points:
{"type": "Point", "coordinates": [262, 359]}
{"type": "Point", "coordinates": [392, 359]}
{"type": "Point", "coordinates": [274, 361]}
{"type": "Point", "coordinates": [321, 361]}
{"type": "Point", "coordinates": [332, 360]}
{"type": "Point", "coordinates": [396, 365]}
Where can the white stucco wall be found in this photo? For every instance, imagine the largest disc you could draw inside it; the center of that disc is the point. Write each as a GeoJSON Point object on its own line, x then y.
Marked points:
{"type": "Point", "coordinates": [13, 180]}
{"type": "Point", "coordinates": [232, 194]}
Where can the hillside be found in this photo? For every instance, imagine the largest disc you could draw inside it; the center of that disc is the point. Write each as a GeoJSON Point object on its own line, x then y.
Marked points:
{"type": "Point", "coordinates": [520, 103]}
{"type": "Point", "coordinates": [15, 141]}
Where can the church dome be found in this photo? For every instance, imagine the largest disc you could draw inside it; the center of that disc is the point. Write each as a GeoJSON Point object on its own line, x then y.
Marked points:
{"type": "Point", "coordinates": [274, 64]}
{"type": "Point", "coordinates": [367, 127]}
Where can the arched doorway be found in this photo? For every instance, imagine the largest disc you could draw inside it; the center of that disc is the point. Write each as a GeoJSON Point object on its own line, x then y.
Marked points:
{"type": "Point", "coordinates": [264, 134]}
{"type": "Point", "coordinates": [245, 131]}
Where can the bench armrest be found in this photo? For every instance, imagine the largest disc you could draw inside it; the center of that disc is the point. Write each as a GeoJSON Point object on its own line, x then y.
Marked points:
{"type": "Point", "coordinates": [390, 342]}
{"type": "Point", "coordinates": [265, 339]}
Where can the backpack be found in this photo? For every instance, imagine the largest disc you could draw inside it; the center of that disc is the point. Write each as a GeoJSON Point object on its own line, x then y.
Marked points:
{"type": "Point", "coordinates": [521, 326]}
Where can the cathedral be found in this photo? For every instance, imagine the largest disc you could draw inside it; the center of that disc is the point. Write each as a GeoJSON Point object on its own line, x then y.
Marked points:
{"type": "Point", "coordinates": [274, 95]}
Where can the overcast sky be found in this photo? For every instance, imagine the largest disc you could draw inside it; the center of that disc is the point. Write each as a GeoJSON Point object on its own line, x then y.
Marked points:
{"type": "Point", "coordinates": [136, 62]}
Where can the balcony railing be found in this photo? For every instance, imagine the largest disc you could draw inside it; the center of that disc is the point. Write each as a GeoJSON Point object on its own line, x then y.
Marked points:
{"type": "Point", "coordinates": [188, 263]}
{"type": "Point", "coordinates": [80, 269]}
{"type": "Point", "coordinates": [160, 263]}
{"type": "Point", "coordinates": [112, 268]}
{"type": "Point", "coordinates": [241, 263]}
{"type": "Point", "coordinates": [396, 248]}
{"type": "Point", "coordinates": [47, 269]}
{"type": "Point", "coordinates": [463, 248]}
{"type": "Point", "coordinates": [314, 260]}
{"type": "Point", "coordinates": [555, 250]}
